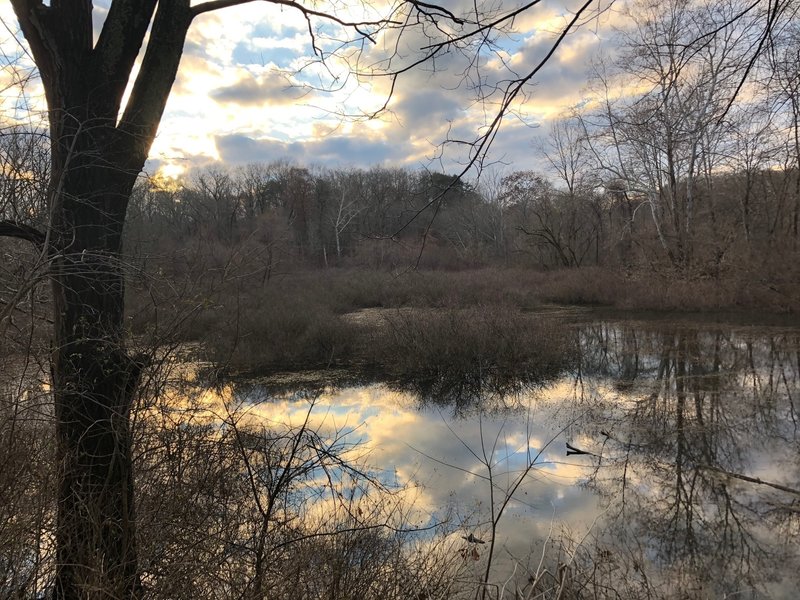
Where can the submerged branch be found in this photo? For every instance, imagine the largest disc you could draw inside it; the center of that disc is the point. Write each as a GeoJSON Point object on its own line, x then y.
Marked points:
{"type": "Point", "coordinates": [777, 486]}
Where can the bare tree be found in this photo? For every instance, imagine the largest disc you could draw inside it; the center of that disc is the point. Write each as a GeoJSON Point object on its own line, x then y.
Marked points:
{"type": "Point", "coordinates": [98, 147]}
{"type": "Point", "coordinates": [566, 151]}
{"type": "Point", "coordinates": [665, 141]}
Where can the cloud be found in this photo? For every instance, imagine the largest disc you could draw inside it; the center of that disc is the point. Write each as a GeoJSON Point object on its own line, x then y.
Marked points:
{"type": "Point", "coordinates": [272, 88]}
{"type": "Point", "coordinates": [238, 148]}
{"type": "Point", "coordinates": [426, 109]}
{"type": "Point", "coordinates": [237, 64]}
{"type": "Point", "coordinates": [562, 79]}
{"type": "Point", "coordinates": [350, 150]}
{"type": "Point", "coordinates": [330, 151]}
{"type": "Point", "coordinates": [235, 100]}
{"type": "Point", "coordinates": [246, 53]}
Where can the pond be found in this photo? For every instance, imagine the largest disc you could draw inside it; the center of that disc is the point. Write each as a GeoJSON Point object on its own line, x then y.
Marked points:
{"type": "Point", "coordinates": [664, 463]}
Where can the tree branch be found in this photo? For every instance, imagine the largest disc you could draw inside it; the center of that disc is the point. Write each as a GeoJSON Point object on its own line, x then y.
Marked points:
{"type": "Point", "coordinates": [32, 17]}
{"type": "Point", "coordinates": [21, 231]}
{"type": "Point", "coordinates": [153, 83]}
{"type": "Point", "coordinates": [205, 7]}
{"type": "Point", "coordinates": [755, 480]}
{"type": "Point", "coordinates": [119, 44]}
{"type": "Point", "coordinates": [199, 9]}
{"type": "Point", "coordinates": [432, 11]}
{"type": "Point", "coordinates": [482, 27]}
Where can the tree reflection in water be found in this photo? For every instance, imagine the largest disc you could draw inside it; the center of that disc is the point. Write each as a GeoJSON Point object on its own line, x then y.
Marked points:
{"type": "Point", "coordinates": [693, 450]}
{"type": "Point", "coordinates": [694, 410]}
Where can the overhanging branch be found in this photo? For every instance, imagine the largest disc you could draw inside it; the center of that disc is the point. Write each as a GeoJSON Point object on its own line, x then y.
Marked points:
{"type": "Point", "coordinates": [210, 5]}
{"type": "Point", "coordinates": [22, 231]}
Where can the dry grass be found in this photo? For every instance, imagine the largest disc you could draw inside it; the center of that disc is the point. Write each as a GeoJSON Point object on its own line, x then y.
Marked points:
{"type": "Point", "coordinates": [296, 320]}
{"type": "Point", "coordinates": [493, 344]}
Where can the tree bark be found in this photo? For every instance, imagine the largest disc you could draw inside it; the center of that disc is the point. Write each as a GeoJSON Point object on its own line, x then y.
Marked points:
{"type": "Point", "coordinates": [96, 156]}
{"type": "Point", "coordinates": [93, 381]}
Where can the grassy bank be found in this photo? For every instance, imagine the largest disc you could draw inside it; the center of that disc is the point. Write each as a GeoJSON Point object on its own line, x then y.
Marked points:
{"type": "Point", "coordinates": [425, 323]}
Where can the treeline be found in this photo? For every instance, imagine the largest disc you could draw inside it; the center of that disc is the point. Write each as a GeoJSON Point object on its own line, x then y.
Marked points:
{"type": "Point", "coordinates": [681, 158]}
{"type": "Point", "coordinates": [285, 216]}
{"type": "Point", "coordinates": [318, 217]}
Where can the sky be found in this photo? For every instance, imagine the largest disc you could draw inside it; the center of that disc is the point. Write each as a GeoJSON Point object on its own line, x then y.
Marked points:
{"type": "Point", "coordinates": [249, 91]}
{"type": "Point", "coordinates": [423, 450]}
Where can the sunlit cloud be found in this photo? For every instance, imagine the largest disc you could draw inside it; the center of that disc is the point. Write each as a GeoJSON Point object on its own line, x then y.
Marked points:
{"type": "Point", "coordinates": [251, 90]}
{"type": "Point", "coordinates": [273, 88]}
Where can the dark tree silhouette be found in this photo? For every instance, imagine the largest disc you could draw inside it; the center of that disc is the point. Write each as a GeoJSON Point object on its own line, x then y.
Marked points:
{"type": "Point", "coordinates": [98, 148]}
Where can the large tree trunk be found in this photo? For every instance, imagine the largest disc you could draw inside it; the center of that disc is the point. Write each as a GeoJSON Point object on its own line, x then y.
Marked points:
{"type": "Point", "coordinates": [93, 384]}
{"type": "Point", "coordinates": [95, 534]}
{"type": "Point", "coordinates": [97, 152]}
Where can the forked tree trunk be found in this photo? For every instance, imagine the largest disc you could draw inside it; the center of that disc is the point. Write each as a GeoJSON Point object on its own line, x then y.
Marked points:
{"type": "Point", "coordinates": [97, 152]}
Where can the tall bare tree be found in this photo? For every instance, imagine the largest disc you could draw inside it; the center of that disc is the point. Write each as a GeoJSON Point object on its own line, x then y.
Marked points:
{"type": "Point", "coordinates": [98, 147]}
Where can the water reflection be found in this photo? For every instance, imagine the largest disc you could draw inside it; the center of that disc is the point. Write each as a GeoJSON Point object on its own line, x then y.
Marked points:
{"type": "Point", "coordinates": [687, 487]}
{"type": "Point", "coordinates": [498, 475]}
{"type": "Point", "coordinates": [702, 421]}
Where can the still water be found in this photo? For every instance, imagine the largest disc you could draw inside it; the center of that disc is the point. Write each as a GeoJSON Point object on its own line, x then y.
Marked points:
{"type": "Point", "coordinates": [663, 463]}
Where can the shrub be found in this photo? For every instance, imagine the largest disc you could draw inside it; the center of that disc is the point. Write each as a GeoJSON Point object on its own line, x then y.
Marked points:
{"type": "Point", "coordinates": [458, 354]}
